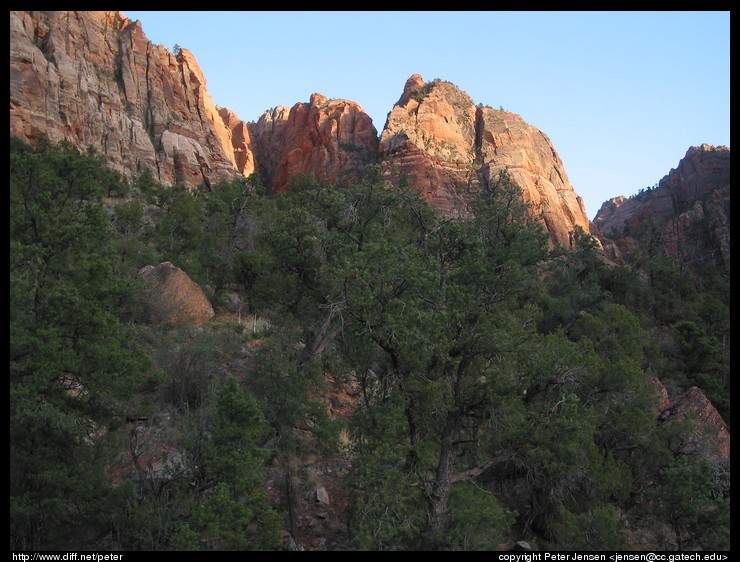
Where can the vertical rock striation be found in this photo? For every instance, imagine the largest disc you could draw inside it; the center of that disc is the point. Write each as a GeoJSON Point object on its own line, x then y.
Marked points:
{"type": "Point", "coordinates": [93, 78]}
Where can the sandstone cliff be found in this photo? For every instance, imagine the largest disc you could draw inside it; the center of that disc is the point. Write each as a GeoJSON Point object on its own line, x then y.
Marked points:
{"type": "Point", "coordinates": [452, 149]}
{"type": "Point", "coordinates": [94, 79]}
{"type": "Point", "coordinates": [688, 213]}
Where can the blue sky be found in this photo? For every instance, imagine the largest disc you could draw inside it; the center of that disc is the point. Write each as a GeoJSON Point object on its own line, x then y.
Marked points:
{"type": "Point", "coordinates": [621, 95]}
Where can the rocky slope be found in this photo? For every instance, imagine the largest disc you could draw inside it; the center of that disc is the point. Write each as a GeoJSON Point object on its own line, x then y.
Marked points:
{"type": "Point", "coordinates": [688, 213]}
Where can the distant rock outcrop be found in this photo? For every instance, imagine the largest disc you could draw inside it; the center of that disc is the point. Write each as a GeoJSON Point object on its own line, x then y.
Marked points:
{"type": "Point", "coordinates": [94, 79]}
{"type": "Point", "coordinates": [330, 139]}
{"type": "Point", "coordinates": [430, 135]}
{"type": "Point", "coordinates": [687, 214]}
{"type": "Point", "coordinates": [452, 149]}
{"type": "Point", "coordinates": [171, 297]}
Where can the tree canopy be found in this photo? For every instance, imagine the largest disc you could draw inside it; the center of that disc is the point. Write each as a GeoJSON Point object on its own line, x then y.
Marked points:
{"type": "Point", "coordinates": [500, 389]}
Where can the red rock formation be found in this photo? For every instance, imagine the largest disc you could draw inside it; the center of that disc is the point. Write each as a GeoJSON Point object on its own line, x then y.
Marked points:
{"type": "Point", "coordinates": [702, 170]}
{"type": "Point", "coordinates": [95, 79]}
{"type": "Point", "coordinates": [330, 139]}
{"type": "Point", "coordinates": [171, 297]}
{"type": "Point", "coordinates": [690, 209]}
{"type": "Point", "coordinates": [451, 149]}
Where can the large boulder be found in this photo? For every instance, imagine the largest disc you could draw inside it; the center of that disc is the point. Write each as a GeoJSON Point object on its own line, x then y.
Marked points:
{"type": "Point", "coordinates": [709, 436]}
{"type": "Point", "coordinates": [171, 297]}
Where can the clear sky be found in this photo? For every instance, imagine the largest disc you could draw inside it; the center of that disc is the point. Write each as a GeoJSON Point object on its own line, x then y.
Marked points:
{"type": "Point", "coordinates": [621, 95]}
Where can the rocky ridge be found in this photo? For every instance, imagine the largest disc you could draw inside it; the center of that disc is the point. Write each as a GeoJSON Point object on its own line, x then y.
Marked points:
{"type": "Point", "coordinates": [94, 78]}
{"type": "Point", "coordinates": [689, 213]}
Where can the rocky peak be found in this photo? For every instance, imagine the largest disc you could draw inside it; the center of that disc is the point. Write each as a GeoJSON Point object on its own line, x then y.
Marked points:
{"type": "Point", "coordinates": [412, 88]}
{"type": "Point", "coordinates": [703, 170]}
{"type": "Point", "coordinates": [451, 149]}
{"type": "Point", "coordinates": [609, 208]}
{"type": "Point", "coordinates": [317, 99]}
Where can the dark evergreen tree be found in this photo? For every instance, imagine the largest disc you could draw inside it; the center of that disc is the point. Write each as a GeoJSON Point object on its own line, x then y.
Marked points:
{"type": "Point", "coordinates": [71, 359]}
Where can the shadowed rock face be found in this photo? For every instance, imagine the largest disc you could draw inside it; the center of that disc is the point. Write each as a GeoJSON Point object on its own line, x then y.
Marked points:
{"type": "Point", "coordinates": [171, 297]}
{"type": "Point", "coordinates": [452, 149]}
{"type": "Point", "coordinates": [689, 212]}
{"type": "Point", "coordinates": [94, 79]}
{"type": "Point", "coordinates": [709, 436]}
{"type": "Point", "coordinates": [330, 139]}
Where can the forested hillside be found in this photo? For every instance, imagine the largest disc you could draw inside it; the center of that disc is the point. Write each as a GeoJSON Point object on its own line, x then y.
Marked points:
{"type": "Point", "coordinates": [462, 385]}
